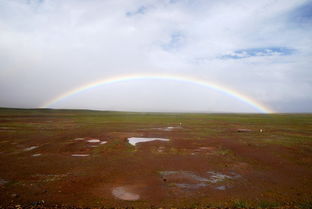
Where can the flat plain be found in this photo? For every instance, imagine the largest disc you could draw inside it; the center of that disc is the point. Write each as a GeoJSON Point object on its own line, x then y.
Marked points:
{"type": "Point", "coordinates": [82, 158]}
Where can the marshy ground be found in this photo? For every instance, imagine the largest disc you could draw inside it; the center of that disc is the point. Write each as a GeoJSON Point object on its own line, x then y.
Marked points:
{"type": "Point", "coordinates": [84, 159]}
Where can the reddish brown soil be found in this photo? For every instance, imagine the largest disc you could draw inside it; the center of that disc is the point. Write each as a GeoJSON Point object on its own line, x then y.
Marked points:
{"type": "Point", "coordinates": [269, 173]}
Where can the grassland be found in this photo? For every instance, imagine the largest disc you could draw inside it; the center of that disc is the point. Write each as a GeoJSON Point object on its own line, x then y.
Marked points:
{"type": "Point", "coordinates": [215, 160]}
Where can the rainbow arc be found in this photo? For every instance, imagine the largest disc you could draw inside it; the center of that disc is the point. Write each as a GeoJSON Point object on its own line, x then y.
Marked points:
{"type": "Point", "coordinates": [196, 81]}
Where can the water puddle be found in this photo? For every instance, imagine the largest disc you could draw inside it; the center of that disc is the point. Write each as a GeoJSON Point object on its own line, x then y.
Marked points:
{"type": "Point", "coordinates": [79, 139]}
{"type": "Point", "coordinates": [134, 140]}
{"type": "Point", "coordinates": [94, 140]}
{"type": "Point", "coordinates": [30, 148]}
{"type": "Point", "coordinates": [190, 186]}
{"type": "Point", "coordinates": [221, 188]}
{"type": "Point", "coordinates": [216, 177]}
{"type": "Point", "coordinates": [36, 155]}
{"type": "Point", "coordinates": [190, 180]}
{"type": "Point", "coordinates": [182, 175]}
{"type": "Point", "coordinates": [125, 193]}
{"type": "Point", "coordinates": [80, 155]}
{"type": "Point", "coordinates": [103, 142]}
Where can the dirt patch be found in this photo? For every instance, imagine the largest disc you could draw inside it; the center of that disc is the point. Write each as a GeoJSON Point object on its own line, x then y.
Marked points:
{"type": "Point", "coordinates": [30, 148]}
{"type": "Point", "coordinates": [244, 130]}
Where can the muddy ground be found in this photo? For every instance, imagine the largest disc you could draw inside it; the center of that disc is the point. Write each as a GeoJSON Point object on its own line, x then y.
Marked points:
{"type": "Point", "coordinates": [84, 159]}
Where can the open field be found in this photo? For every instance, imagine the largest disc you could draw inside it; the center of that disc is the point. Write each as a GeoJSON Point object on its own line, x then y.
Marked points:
{"type": "Point", "coordinates": [84, 158]}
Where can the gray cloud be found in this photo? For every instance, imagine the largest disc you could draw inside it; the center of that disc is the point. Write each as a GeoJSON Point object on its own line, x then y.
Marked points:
{"type": "Point", "coordinates": [49, 47]}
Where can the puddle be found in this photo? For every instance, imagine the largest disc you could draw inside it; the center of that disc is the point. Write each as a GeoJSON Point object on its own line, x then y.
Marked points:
{"type": "Point", "coordinates": [103, 142]}
{"type": "Point", "coordinates": [3, 182]}
{"type": "Point", "coordinates": [190, 186]}
{"type": "Point", "coordinates": [216, 177]}
{"type": "Point", "coordinates": [30, 148]}
{"type": "Point", "coordinates": [190, 180]}
{"type": "Point", "coordinates": [80, 155]}
{"type": "Point", "coordinates": [36, 155]}
{"type": "Point", "coordinates": [134, 140]}
{"type": "Point", "coordinates": [221, 187]}
{"type": "Point", "coordinates": [93, 140]}
{"type": "Point", "coordinates": [79, 139]}
{"type": "Point", "coordinates": [124, 193]}
{"type": "Point", "coordinates": [184, 175]}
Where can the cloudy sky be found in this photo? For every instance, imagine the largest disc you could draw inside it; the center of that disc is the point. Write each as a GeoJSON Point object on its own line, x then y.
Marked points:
{"type": "Point", "coordinates": [260, 49]}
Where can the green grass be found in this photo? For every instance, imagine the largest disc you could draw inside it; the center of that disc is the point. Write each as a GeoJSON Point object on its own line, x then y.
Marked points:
{"type": "Point", "coordinates": [284, 129]}
{"type": "Point", "coordinates": [305, 204]}
{"type": "Point", "coordinates": [240, 204]}
{"type": "Point", "coordinates": [267, 204]}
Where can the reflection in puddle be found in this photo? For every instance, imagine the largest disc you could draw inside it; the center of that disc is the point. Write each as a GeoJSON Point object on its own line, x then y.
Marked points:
{"type": "Point", "coordinates": [94, 140]}
{"type": "Point", "coordinates": [190, 186]}
{"type": "Point", "coordinates": [134, 140]}
{"type": "Point", "coordinates": [79, 139]}
{"type": "Point", "coordinates": [30, 148]}
{"type": "Point", "coordinates": [36, 155]}
{"type": "Point", "coordinates": [123, 193]}
{"type": "Point", "coordinates": [221, 187]}
{"type": "Point", "coordinates": [216, 177]}
{"type": "Point", "coordinates": [80, 155]}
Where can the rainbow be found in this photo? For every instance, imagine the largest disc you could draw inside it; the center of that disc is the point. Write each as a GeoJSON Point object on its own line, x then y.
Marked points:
{"type": "Point", "coordinates": [229, 92]}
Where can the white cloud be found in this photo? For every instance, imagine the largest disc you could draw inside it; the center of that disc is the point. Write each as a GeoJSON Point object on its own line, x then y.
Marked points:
{"type": "Point", "coordinates": [48, 47]}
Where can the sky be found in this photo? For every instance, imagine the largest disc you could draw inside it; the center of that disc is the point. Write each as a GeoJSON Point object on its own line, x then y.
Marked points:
{"type": "Point", "coordinates": [259, 49]}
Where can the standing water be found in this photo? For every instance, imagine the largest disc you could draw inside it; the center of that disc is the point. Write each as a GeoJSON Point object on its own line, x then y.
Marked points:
{"type": "Point", "coordinates": [134, 140]}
